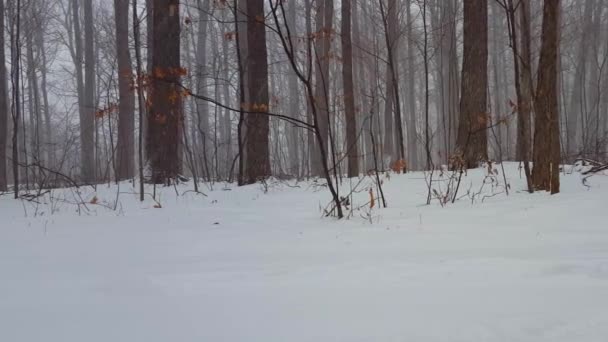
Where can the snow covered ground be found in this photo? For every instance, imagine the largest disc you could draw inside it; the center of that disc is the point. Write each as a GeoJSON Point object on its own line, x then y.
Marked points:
{"type": "Point", "coordinates": [244, 265]}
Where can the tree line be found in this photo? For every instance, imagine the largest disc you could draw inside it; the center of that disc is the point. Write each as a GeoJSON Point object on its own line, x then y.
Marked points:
{"type": "Point", "coordinates": [156, 90]}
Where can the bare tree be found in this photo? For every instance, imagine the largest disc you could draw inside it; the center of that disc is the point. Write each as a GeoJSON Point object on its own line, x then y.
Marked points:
{"type": "Point", "coordinates": [393, 104]}
{"type": "Point", "coordinates": [258, 159]}
{"type": "Point", "coordinates": [472, 139]}
{"type": "Point", "coordinates": [3, 106]}
{"type": "Point", "coordinates": [125, 146]}
{"type": "Point", "coordinates": [412, 133]}
{"type": "Point", "coordinates": [322, 59]}
{"type": "Point", "coordinates": [545, 174]}
{"type": "Point", "coordinates": [349, 92]}
{"type": "Point", "coordinates": [165, 112]}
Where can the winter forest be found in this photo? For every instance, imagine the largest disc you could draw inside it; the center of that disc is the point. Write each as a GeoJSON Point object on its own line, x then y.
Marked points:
{"type": "Point", "coordinates": [195, 170]}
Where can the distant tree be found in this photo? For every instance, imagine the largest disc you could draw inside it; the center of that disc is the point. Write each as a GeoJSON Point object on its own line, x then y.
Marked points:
{"type": "Point", "coordinates": [546, 158]}
{"type": "Point", "coordinates": [87, 123]}
{"type": "Point", "coordinates": [393, 135]}
{"type": "Point", "coordinates": [472, 140]}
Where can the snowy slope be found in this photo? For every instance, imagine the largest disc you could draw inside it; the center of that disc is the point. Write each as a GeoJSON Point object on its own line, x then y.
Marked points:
{"type": "Point", "coordinates": [244, 265]}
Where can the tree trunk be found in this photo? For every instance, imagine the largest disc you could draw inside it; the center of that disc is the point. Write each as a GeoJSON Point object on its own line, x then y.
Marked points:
{"type": "Point", "coordinates": [202, 106]}
{"type": "Point", "coordinates": [87, 122]}
{"type": "Point", "coordinates": [162, 138]}
{"type": "Point", "coordinates": [412, 134]}
{"type": "Point", "coordinates": [15, 25]}
{"type": "Point", "coordinates": [321, 60]}
{"type": "Point", "coordinates": [257, 135]}
{"type": "Point", "coordinates": [125, 146]}
{"type": "Point", "coordinates": [545, 174]}
{"type": "Point", "coordinates": [472, 139]}
{"type": "Point", "coordinates": [3, 106]}
{"type": "Point", "coordinates": [352, 150]}
{"type": "Point", "coordinates": [294, 103]}
{"type": "Point", "coordinates": [49, 139]}
{"type": "Point", "coordinates": [525, 108]}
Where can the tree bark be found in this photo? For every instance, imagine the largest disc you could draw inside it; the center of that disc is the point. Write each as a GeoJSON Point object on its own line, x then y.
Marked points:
{"type": "Point", "coordinates": [3, 106]}
{"type": "Point", "coordinates": [257, 136]}
{"type": "Point", "coordinates": [321, 58]}
{"type": "Point", "coordinates": [545, 174]}
{"type": "Point", "coordinates": [163, 133]}
{"type": "Point", "coordinates": [125, 146]}
{"type": "Point", "coordinates": [352, 150]}
{"type": "Point", "coordinates": [472, 139]}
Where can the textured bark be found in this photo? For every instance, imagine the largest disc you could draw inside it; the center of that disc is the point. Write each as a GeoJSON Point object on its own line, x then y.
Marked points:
{"type": "Point", "coordinates": [412, 134]}
{"type": "Point", "coordinates": [163, 118]}
{"type": "Point", "coordinates": [125, 146]}
{"type": "Point", "coordinates": [349, 99]}
{"type": "Point", "coordinates": [257, 166]}
{"type": "Point", "coordinates": [3, 106]}
{"type": "Point", "coordinates": [472, 139]}
{"type": "Point", "coordinates": [545, 174]}
{"type": "Point", "coordinates": [324, 31]}
{"type": "Point", "coordinates": [294, 103]}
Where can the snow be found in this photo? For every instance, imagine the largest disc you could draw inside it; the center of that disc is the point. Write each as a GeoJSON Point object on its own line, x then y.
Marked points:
{"type": "Point", "coordinates": [245, 265]}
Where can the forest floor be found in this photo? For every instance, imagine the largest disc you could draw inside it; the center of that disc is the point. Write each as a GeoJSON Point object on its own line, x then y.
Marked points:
{"type": "Point", "coordinates": [248, 265]}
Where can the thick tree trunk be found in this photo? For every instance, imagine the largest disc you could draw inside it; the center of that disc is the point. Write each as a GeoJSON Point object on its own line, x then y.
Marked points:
{"type": "Point", "coordinates": [321, 60]}
{"type": "Point", "coordinates": [257, 135]}
{"type": "Point", "coordinates": [125, 147]}
{"type": "Point", "coordinates": [545, 174]}
{"type": "Point", "coordinates": [352, 150]}
{"type": "Point", "coordinates": [3, 106]}
{"type": "Point", "coordinates": [163, 133]}
{"type": "Point", "coordinates": [472, 133]}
